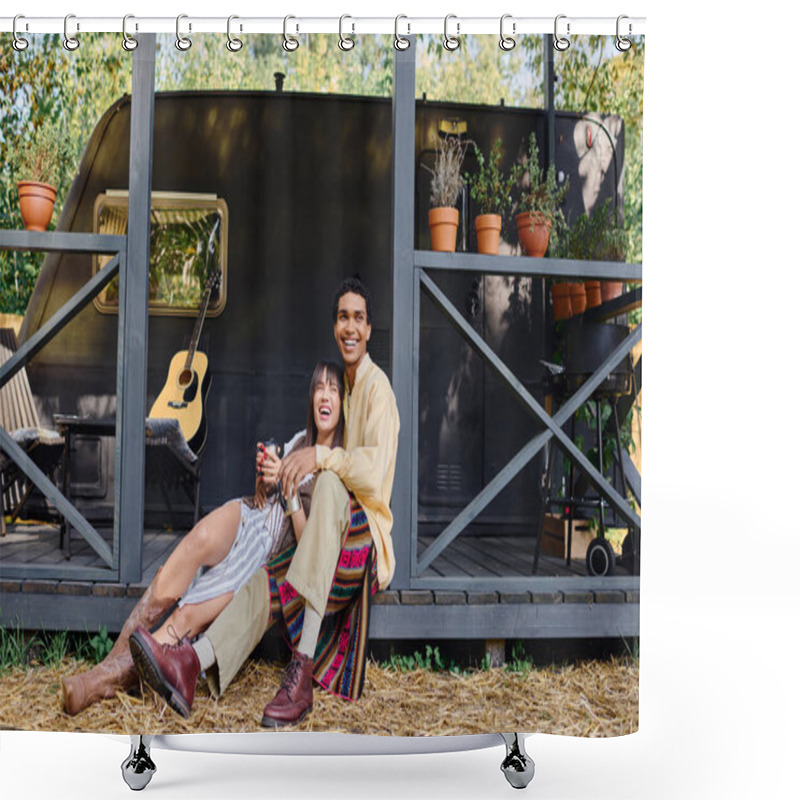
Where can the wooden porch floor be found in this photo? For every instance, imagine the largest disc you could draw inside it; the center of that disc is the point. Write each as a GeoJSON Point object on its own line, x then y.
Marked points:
{"type": "Point", "coordinates": [465, 594]}
{"type": "Point", "coordinates": [467, 557]}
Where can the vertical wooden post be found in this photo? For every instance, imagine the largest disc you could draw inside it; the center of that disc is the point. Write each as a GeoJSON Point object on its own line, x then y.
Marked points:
{"type": "Point", "coordinates": [403, 334]}
{"type": "Point", "coordinates": [132, 331]}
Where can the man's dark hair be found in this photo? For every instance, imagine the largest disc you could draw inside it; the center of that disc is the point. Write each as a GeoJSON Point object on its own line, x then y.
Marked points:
{"type": "Point", "coordinates": [355, 286]}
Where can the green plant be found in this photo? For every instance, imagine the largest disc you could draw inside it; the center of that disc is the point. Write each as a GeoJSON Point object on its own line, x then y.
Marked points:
{"type": "Point", "coordinates": [599, 237]}
{"type": "Point", "coordinates": [100, 644]}
{"type": "Point", "coordinates": [13, 648]}
{"type": "Point", "coordinates": [43, 155]}
{"type": "Point", "coordinates": [520, 662]}
{"type": "Point", "coordinates": [430, 661]}
{"type": "Point", "coordinates": [633, 648]}
{"type": "Point", "coordinates": [447, 180]}
{"type": "Point", "coordinates": [489, 186]}
{"type": "Point", "coordinates": [540, 193]}
{"type": "Point", "coordinates": [54, 648]}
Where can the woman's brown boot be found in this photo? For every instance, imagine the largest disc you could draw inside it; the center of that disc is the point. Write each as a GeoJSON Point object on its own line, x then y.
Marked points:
{"type": "Point", "coordinates": [116, 671]}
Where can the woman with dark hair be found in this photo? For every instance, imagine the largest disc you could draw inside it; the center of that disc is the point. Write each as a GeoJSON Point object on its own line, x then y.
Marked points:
{"type": "Point", "coordinates": [220, 554]}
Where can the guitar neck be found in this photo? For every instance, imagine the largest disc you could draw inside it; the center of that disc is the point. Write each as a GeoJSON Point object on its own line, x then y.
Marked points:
{"type": "Point", "coordinates": [198, 327]}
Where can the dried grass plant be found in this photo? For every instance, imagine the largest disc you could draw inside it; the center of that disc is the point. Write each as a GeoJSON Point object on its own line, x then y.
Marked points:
{"type": "Point", "coordinates": [591, 698]}
{"type": "Point", "coordinates": [447, 181]}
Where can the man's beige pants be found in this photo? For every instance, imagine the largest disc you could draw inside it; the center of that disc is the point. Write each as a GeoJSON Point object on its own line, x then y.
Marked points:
{"type": "Point", "coordinates": [239, 628]}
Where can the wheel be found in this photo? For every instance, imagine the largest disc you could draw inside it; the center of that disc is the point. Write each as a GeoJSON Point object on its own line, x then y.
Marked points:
{"type": "Point", "coordinates": [600, 558]}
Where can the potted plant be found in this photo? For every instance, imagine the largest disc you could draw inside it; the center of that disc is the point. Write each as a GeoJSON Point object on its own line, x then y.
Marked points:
{"type": "Point", "coordinates": [446, 185]}
{"type": "Point", "coordinates": [614, 246]}
{"type": "Point", "coordinates": [36, 164]}
{"type": "Point", "coordinates": [562, 304]}
{"type": "Point", "coordinates": [599, 237]}
{"type": "Point", "coordinates": [539, 218]}
{"type": "Point", "coordinates": [491, 189]}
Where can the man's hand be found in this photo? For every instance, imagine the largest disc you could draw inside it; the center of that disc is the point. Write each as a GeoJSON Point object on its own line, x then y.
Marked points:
{"type": "Point", "coordinates": [295, 467]}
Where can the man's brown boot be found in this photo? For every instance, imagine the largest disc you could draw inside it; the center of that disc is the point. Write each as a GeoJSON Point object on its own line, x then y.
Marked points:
{"type": "Point", "coordinates": [116, 671]}
{"type": "Point", "coordinates": [295, 698]}
{"type": "Point", "coordinates": [170, 669]}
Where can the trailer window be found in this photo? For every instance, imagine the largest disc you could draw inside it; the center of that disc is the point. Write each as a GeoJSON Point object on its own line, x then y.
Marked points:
{"type": "Point", "coordinates": [188, 244]}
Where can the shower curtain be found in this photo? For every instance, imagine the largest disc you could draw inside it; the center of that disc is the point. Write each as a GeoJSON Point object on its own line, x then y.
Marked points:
{"type": "Point", "coordinates": [505, 588]}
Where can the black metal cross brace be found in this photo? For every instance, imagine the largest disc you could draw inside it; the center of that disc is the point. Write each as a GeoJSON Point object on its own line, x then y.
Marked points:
{"type": "Point", "coordinates": [67, 242]}
{"type": "Point", "coordinates": [552, 427]}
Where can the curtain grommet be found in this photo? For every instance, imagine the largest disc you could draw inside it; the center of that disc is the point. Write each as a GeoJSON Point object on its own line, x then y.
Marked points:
{"type": "Point", "coordinates": [71, 43]}
{"type": "Point", "coordinates": [129, 42]}
{"type": "Point", "coordinates": [290, 42]}
{"type": "Point", "coordinates": [183, 43]}
{"type": "Point", "coordinates": [346, 43]}
{"type": "Point", "coordinates": [234, 43]}
{"type": "Point", "coordinates": [400, 42]}
{"type": "Point", "coordinates": [560, 43]}
{"type": "Point", "coordinates": [622, 43]}
{"type": "Point", "coordinates": [19, 43]}
{"type": "Point", "coordinates": [507, 42]}
{"type": "Point", "coordinates": [451, 43]}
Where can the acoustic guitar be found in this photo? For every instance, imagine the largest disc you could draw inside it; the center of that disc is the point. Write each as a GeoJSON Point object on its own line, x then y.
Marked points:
{"type": "Point", "coordinates": [184, 394]}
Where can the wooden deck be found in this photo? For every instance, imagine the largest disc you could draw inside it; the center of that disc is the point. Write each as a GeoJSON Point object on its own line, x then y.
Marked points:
{"type": "Point", "coordinates": [481, 587]}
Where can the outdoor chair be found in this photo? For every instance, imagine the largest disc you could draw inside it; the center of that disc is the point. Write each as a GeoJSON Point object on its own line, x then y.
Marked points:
{"type": "Point", "coordinates": [18, 415]}
{"type": "Point", "coordinates": [171, 463]}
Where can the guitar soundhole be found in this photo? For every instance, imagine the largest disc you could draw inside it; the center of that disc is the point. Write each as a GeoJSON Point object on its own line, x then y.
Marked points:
{"type": "Point", "coordinates": [185, 378]}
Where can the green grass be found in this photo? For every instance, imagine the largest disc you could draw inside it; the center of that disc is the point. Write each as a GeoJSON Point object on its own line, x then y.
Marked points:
{"type": "Point", "coordinates": [19, 649]}
{"type": "Point", "coordinates": [13, 648]}
{"type": "Point", "coordinates": [431, 660]}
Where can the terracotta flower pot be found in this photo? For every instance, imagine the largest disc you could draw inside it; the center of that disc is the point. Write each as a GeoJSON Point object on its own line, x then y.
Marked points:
{"type": "Point", "coordinates": [577, 297]}
{"type": "Point", "coordinates": [36, 201]}
{"type": "Point", "coordinates": [610, 289]}
{"type": "Point", "coordinates": [488, 226]}
{"type": "Point", "coordinates": [443, 224]}
{"type": "Point", "coordinates": [534, 233]}
{"type": "Point", "coordinates": [593, 294]}
{"type": "Point", "coordinates": [562, 308]}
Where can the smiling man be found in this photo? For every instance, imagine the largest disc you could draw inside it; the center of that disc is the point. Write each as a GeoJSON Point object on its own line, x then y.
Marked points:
{"type": "Point", "coordinates": [363, 469]}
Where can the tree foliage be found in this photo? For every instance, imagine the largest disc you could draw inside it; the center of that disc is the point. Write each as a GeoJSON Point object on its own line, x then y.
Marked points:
{"type": "Point", "coordinates": [41, 87]}
{"type": "Point", "coordinates": [46, 83]}
{"type": "Point", "coordinates": [593, 76]}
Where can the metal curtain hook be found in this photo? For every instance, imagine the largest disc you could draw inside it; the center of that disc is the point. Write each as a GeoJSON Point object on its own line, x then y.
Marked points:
{"type": "Point", "coordinates": [451, 43]}
{"type": "Point", "coordinates": [234, 44]}
{"type": "Point", "coordinates": [346, 42]}
{"type": "Point", "coordinates": [560, 43]}
{"type": "Point", "coordinates": [622, 43]}
{"type": "Point", "coordinates": [290, 42]}
{"type": "Point", "coordinates": [507, 42]}
{"type": "Point", "coordinates": [128, 42]}
{"type": "Point", "coordinates": [19, 44]}
{"type": "Point", "coordinates": [71, 43]}
{"type": "Point", "coordinates": [400, 42]}
{"type": "Point", "coordinates": [183, 43]}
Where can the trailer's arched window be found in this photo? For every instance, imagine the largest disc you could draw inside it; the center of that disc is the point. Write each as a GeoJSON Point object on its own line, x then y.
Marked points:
{"type": "Point", "coordinates": [188, 245]}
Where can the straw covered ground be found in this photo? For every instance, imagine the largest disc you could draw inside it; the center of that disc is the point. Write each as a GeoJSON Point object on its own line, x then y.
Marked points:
{"type": "Point", "coordinates": [590, 698]}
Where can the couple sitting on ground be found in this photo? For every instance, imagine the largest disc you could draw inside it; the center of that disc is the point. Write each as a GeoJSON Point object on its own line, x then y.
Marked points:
{"type": "Point", "coordinates": [314, 569]}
